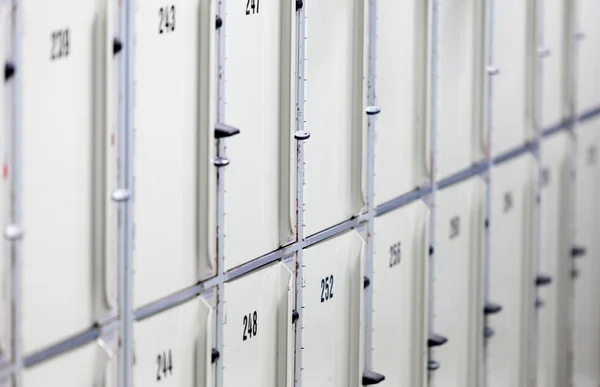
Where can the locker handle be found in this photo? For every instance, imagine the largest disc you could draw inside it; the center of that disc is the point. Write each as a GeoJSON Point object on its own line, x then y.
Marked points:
{"type": "Point", "coordinates": [543, 280]}
{"type": "Point", "coordinates": [488, 332]}
{"type": "Point", "coordinates": [9, 71]}
{"type": "Point", "coordinates": [295, 316]}
{"type": "Point", "coordinates": [539, 303]}
{"type": "Point", "coordinates": [117, 46]}
{"type": "Point", "coordinates": [436, 340]}
{"type": "Point", "coordinates": [578, 251]}
{"type": "Point", "coordinates": [433, 365]}
{"type": "Point", "coordinates": [370, 378]}
{"type": "Point", "coordinates": [223, 130]}
{"type": "Point", "coordinates": [214, 355]}
{"type": "Point", "coordinates": [218, 22]}
{"type": "Point", "coordinates": [366, 282]}
{"type": "Point", "coordinates": [299, 5]}
{"type": "Point", "coordinates": [491, 308]}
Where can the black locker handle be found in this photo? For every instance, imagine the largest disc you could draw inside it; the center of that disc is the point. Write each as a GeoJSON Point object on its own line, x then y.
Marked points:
{"type": "Point", "coordinates": [366, 282]}
{"type": "Point", "coordinates": [9, 71]}
{"type": "Point", "coordinates": [370, 378]}
{"type": "Point", "coordinates": [491, 308]}
{"type": "Point", "coordinates": [222, 130]}
{"type": "Point", "coordinates": [578, 251]}
{"type": "Point", "coordinates": [543, 280]}
{"type": "Point", "coordinates": [214, 355]}
{"type": "Point", "coordinates": [436, 340]}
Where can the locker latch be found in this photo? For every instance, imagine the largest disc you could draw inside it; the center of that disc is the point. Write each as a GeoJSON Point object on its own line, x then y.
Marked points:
{"type": "Point", "coordinates": [488, 332]}
{"type": "Point", "coordinates": [436, 340]}
{"type": "Point", "coordinates": [223, 130]}
{"type": "Point", "coordinates": [9, 71]}
{"type": "Point", "coordinates": [543, 280]}
{"type": "Point", "coordinates": [214, 355]}
{"type": "Point", "coordinates": [491, 308]}
{"type": "Point", "coordinates": [433, 365]}
{"type": "Point", "coordinates": [366, 282]}
{"type": "Point", "coordinates": [370, 378]}
{"type": "Point", "coordinates": [295, 316]}
{"type": "Point", "coordinates": [578, 251]}
{"type": "Point", "coordinates": [117, 46]}
{"type": "Point", "coordinates": [218, 22]}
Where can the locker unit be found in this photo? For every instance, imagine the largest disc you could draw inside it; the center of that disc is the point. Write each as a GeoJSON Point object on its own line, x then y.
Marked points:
{"type": "Point", "coordinates": [335, 103]}
{"type": "Point", "coordinates": [260, 63]}
{"type": "Point", "coordinates": [400, 261]}
{"type": "Point", "coordinates": [175, 347]}
{"type": "Point", "coordinates": [258, 329]}
{"type": "Point", "coordinates": [461, 131]}
{"type": "Point", "coordinates": [586, 319]}
{"type": "Point", "coordinates": [401, 142]}
{"type": "Point", "coordinates": [68, 168]}
{"type": "Point", "coordinates": [511, 272]}
{"type": "Point", "coordinates": [332, 330]}
{"type": "Point", "coordinates": [588, 55]}
{"type": "Point", "coordinates": [458, 283]}
{"type": "Point", "coordinates": [514, 56]}
{"type": "Point", "coordinates": [554, 276]}
{"type": "Point", "coordinates": [175, 207]}
{"type": "Point", "coordinates": [555, 56]}
{"type": "Point", "coordinates": [95, 364]}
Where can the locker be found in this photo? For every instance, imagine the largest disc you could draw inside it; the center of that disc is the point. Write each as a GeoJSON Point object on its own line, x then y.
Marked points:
{"type": "Point", "coordinates": [258, 329]}
{"type": "Point", "coordinates": [460, 125]}
{"type": "Point", "coordinates": [586, 340]}
{"type": "Point", "coordinates": [458, 283]}
{"type": "Point", "coordinates": [335, 103]}
{"type": "Point", "coordinates": [332, 330]}
{"type": "Point", "coordinates": [401, 143]}
{"type": "Point", "coordinates": [555, 262]}
{"type": "Point", "coordinates": [555, 56]}
{"type": "Point", "coordinates": [514, 56]}
{"type": "Point", "coordinates": [94, 364]}
{"type": "Point", "coordinates": [588, 55]}
{"type": "Point", "coordinates": [260, 60]}
{"type": "Point", "coordinates": [175, 188]}
{"type": "Point", "coordinates": [174, 348]}
{"type": "Point", "coordinates": [511, 271]}
{"type": "Point", "coordinates": [400, 260]}
{"type": "Point", "coordinates": [68, 167]}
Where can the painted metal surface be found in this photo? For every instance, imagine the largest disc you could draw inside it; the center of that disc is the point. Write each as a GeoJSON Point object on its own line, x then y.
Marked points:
{"type": "Point", "coordinates": [587, 35]}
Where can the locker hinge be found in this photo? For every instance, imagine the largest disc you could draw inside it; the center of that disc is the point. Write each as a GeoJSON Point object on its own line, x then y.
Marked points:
{"type": "Point", "coordinates": [214, 355]}
{"type": "Point", "coordinates": [370, 378]}
{"type": "Point", "coordinates": [433, 365]}
{"type": "Point", "coordinates": [218, 22]}
{"type": "Point", "coordinates": [299, 5]}
{"type": "Point", "coordinates": [574, 273]}
{"type": "Point", "coordinates": [491, 308]}
{"type": "Point", "coordinates": [366, 282]}
{"type": "Point", "coordinates": [543, 280]}
{"type": "Point", "coordinates": [295, 316]}
{"type": "Point", "coordinates": [9, 71]}
{"type": "Point", "coordinates": [373, 110]}
{"type": "Point", "coordinates": [117, 46]}
{"type": "Point", "coordinates": [223, 130]}
{"type": "Point", "coordinates": [488, 332]}
{"type": "Point", "coordinates": [436, 340]}
{"type": "Point", "coordinates": [539, 303]}
{"type": "Point", "coordinates": [578, 251]}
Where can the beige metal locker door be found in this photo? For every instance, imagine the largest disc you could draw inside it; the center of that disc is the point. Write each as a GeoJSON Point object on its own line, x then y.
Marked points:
{"type": "Point", "coordinates": [514, 56]}
{"type": "Point", "coordinates": [174, 124]}
{"type": "Point", "coordinates": [586, 340]}
{"type": "Point", "coordinates": [260, 58]}
{"type": "Point", "coordinates": [460, 127]}
{"type": "Point", "coordinates": [401, 143]}
{"type": "Point", "coordinates": [258, 329]}
{"type": "Point", "coordinates": [174, 348]}
{"type": "Point", "coordinates": [335, 102]}
{"type": "Point", "coordinates": [555, 262]}
{"type": "Point", "coordinates": [458, 283]}
{"type": "Point", "coordinates": [400, 259]}
{"type": "Point", "coordinates": [511, 271]}
{"type": "Point", "coordinates": [555, 55]}
{"type": "Point", "coordinates": [95, 364]}
{"type": "Point", "coordinates": [588, 55]}
{"type": "Point", "coordinates": [69, 251]}
{"type": "Point", "coordinates": [333, 312]}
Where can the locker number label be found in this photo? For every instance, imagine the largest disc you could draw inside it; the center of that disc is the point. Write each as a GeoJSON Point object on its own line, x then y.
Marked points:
{"type": "Point", "coordinates": [508, 202]}
{"type": "Point", "coordinates": [166, 16]}
{"type": "Point", "coordinates": [164, 365]}
{"type": "Point", "coordinates": [250, 323]}
{"type": "Point", "coordinates": [394, 254]}
{"type": "Point", "coordinates": [59, 44]}
{"type": "Point", "coordinates": [252, 7]}
{"type": "Point", "coordinates": [454, 227]}
{"type": "Point", "coordinates": [326, 288]}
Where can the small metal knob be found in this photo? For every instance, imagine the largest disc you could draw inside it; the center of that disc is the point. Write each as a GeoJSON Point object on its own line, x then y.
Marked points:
{"type": "Point", "coordinates": [120, 195]}
{"type": "Point", "coordinates": [491, 70]}
{"type": "Point", "coordinates": [373, 110]}
{"type": "Point", "coordinates": [13, 232]}
{"type": "Point", "coordinates": [302, 135]}
{"type": "Point", "coordinates": [221, 162]}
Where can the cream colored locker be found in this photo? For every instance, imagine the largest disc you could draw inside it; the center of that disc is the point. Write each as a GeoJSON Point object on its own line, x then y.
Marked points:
{"type": "Point", "coordinates": [175, 347]}
{"type": "Point", "coordinates": [332, 331]}
{"type": "Point", "coordinates": [458, 283]}
{"type": "Point", "coordinates": [335, 103]}
{"type": "Point", "coordinates": [555, 262]}
{"type": "Point", "coordinates": [401, 142]}
{"type": "Point", "coordinates": [174, 128]}
{"type": "Point", "coordinates": [511, 271]}
{"type": "Point", "coordinates": [94, 364]}
{"type": "Point", "coordinates": [258, 329]}
{"type": "Point", "coordinates": [514, 53]}
{"type": "Point", "coordinates": [400, 260]}
{"type": "Point", "coordinates": [588, 55]}
{"type": "Point", "coordinates": [555, 54]}
{"type": "Point", "coordinates": [260, 60]}
{"type": "Point", "coordinates": [586, 340]}
{"type": "Point", "coordinates": [69, 126]}
{"type": "Point", "coordinates": [460, 85]}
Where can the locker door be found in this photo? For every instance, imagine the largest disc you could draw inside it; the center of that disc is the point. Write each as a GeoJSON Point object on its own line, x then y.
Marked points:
{"type": "Point", "coordinates": [174, 172]}
{"type": "Point", "coordinates": [458, 283]}
{"type": "Point", "coordinates": [554, 54]}
{"type": "Point", "coordinates": [588, 55]}
{"type": "Point", "coordinates": [586, 343]}
{"type": "Point", "coordinates": [555, 262]}
{"type": "Point", "coordinates": [511, 274]}
{"type": "Point", "coordinates": [257, 330]}
{"type": "Point", "coordinates": [400, 259]}
{"type": "Point", "coordinates": [514, 56]}
{"type": "Point", "coordinates": [260, 99]}
{"type": "Point", "coordinates": [68, 167]}
{"type": "Point", "coordinates": [333, 308]}
{"type": "Point", "coordinates": [94, 364]}
{"type": "Point", "coordinates": [334, 111]}
{"type": "Point", "coordinates": [460, 134]}
{"type": "Point", "coordinates": [401, 148]}
{"type": "Point", "coordinates": [174, 347]}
